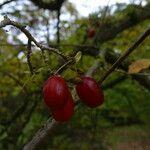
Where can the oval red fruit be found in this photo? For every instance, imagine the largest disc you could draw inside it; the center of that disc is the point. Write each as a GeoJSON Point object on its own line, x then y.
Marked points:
{"type": "Point", "coordinates": [55, 92]}
{"type": "Point", "coordinates": [91, 33]}
{"type": "Point", "coordinates": [90, 92]}
{"type": "Point", "coordinates": [65, 113]}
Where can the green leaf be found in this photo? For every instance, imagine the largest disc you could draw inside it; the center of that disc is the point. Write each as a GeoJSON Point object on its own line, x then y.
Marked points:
{"type": "Point", "coordinates": [69, 74]}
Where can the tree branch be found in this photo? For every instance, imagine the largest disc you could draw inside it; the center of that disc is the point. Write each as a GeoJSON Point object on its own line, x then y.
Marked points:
{"type": "Point", "coordinates": [125, 54]}
{"type": "Point", "coordinates": [52, 5]}
{"type": "Point", "coordinates": [57, 26]}
{"type": "Point", "coordinates": [109, 30]}
{"type": "Point", "coordinates": [6, 2]}
{"type": "Point", "coordinates": [111, 57]}
{"type": "Point", "coordinates": [93, 68]}
{"type": "Point", "coordinates": [41, 134]}
{"type": "Point", "coordinates": [28, 57]}
{"type": "Point", "coordinates": [15, 79]}
{"type": "Point", "coordinates": [85, 49]}
{"type": "Point", "coordinates": [114, 82]}
{"type": "Point", "coordinates": [7, 21]}
{"type": "Point", "coordinates": [64, 65]}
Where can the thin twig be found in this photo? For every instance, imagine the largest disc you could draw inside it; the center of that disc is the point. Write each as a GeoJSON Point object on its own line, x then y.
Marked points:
{"type": "Point", "coordinates": [114, 82]}
{"type": "Point", "coordinates": [14, 78]}
{"type": "Point", "coordinates": [93, 68]}
{"type": "Point", "coordinates": [104, 14]}
{"type": "Point", "coordinates": [54, 45]}
{"type": "Point", "coordinates": [88, 49]}
{"type": "Point", "coordinates": [6, 2]}
{"type": "Point", "coordinates": [44, 57]}
{"type": "Point", "coordinates": [18, 112]}
{"type": "Point", "coordinates": [111, 57]}
{"type": "Point", "coordinates": [28, 57]}
{"type": "Point", "coordinates": [7, 21]}
{"type": "Point", "coordinates": [24, 89]}
{"type": "Point", "coordinates": [64, 65]}
{"type": "Point", "coordinates": [57, 26]}
{"type": "Point", "coordinates": [125, 54]}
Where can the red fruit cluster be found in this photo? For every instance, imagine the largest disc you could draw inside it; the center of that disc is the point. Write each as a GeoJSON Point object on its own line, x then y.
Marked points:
{"type": "Point", "coordinates": [65, 112]}
{"type": "Point", "coordinates": [58, 98]}
{"type": "Point", "coordinates": [90, 92]}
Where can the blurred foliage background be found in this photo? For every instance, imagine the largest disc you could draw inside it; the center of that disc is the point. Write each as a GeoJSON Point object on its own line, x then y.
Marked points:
{"type": "Point", "coordinates": [123, 122]}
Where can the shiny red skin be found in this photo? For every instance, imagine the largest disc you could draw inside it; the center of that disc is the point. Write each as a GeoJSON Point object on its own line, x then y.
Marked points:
{"type": "Point", "coordinates": [91, 33]}
{"type": "Point", "coordinates": [65, 113]}
{"type": "Point", "coordinates": [55, 93]}
{"type": "Point", "coordinates": [90, 92]}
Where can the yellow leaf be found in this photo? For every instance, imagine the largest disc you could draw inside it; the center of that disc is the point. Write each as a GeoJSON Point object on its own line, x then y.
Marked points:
{"type": "Point", "coordinates": [78, 56]}
{"type": "Point", "coordinates": [139, 65]}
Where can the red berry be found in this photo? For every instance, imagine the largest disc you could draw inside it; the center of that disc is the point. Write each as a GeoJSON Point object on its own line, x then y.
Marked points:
{"type": "Point", "coordinates": [90, 92]}
{"type": "Point", "coordinates": [55, 92]}
{"type": "Point", "coordinates": [65, 113]}
{"type": "Point", "coordinates": [91, 33]}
